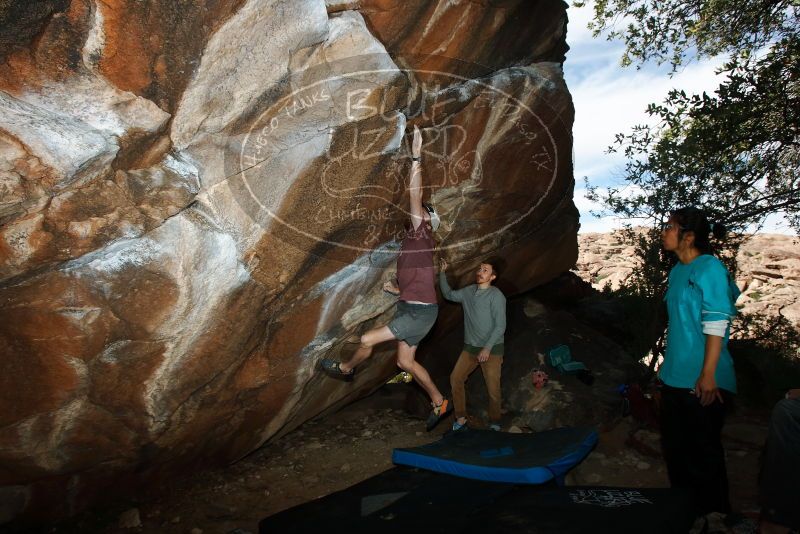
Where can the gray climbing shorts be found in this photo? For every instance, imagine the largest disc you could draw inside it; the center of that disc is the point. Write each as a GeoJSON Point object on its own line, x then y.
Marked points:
{"type": "Point", "coordinates": [412, 322]}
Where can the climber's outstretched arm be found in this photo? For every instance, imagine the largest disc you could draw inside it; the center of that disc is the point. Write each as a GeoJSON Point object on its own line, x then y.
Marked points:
{"type": "Point", "coordinates": [415, 181]}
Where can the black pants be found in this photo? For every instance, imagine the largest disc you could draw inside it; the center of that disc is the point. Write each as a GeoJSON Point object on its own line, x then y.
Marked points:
{"type": "Point", "coordinates": [691, 439]}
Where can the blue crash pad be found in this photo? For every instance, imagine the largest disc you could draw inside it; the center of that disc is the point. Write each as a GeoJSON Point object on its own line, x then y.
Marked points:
{"type": "Point", "coordinates": [501, 456]}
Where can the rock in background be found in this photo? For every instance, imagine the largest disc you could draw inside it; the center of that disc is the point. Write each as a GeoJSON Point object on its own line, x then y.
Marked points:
{"type": "Point", "coordinates": [199, 199]}
{"type": "Point", "coordinates": [769, 270]}
{"type": "Point", "coordinates": [769, 276]}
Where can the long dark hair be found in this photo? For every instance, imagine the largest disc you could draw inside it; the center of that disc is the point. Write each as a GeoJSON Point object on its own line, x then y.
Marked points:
{"type": "Point", "coordinates": [695, 220]}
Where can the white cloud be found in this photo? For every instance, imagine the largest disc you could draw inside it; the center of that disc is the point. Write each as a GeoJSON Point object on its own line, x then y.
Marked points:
{"type": "Point", "coordinates": [609, 100]}
{"type": "Point", "coordinates": [775, 224]}
{"type": "Point", "coordinates": [590, 223]}
{"type": "Point", "coordinates": [604, 222]}
{"type": "Point", "coordinates": [577, 33]}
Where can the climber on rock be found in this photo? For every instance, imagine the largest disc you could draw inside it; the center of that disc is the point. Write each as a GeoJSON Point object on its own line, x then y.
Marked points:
{"type": "Point", "coordinates": [417, 308]}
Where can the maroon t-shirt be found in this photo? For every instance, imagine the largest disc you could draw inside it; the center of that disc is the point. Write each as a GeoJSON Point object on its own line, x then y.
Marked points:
{"type": "Point", "coordinates": [415, 274]}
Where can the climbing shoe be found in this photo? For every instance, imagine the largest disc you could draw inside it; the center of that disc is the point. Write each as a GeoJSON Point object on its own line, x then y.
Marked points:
{"type": "Point", "coordinates": [334, 369]}
{"type": "Point", "coordinates": [438, 413]}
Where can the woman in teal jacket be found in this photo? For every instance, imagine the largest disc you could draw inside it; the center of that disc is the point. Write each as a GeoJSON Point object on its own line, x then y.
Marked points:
{"type": "Point", "coordinates": [697, 372]}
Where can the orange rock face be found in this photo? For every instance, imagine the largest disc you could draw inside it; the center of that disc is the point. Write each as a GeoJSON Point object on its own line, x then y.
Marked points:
{"type": "Point", "coordinates": [468, 38]}
{"type": "Point", "coordinates": [151, 48]}
{"type": "Point", "coordinates": [200, 199]}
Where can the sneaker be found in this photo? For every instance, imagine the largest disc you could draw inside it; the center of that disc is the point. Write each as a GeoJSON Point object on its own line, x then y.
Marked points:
{"type": "Point", "coordinates": [495, 427]}
{"type": "Point", "coordinates": [459, 426]}
{"type": "Point", "coordinates": [437, 414]}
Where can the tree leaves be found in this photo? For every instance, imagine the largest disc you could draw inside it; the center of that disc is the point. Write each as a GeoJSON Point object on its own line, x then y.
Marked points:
{"type": "Point", "coordinates": [670, 30]}
{"type": "Point", "coordinates": [734, 153]}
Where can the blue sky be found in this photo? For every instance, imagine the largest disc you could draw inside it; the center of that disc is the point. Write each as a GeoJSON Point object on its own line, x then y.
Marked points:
{"type": "Point", "coordinates": [610, 99]}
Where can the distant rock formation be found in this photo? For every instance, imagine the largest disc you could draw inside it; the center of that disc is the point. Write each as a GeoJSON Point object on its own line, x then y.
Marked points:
{"type": "Point", "coordinates": [769, 270]}
{"type": "Point", "coordinates": [199, 199]}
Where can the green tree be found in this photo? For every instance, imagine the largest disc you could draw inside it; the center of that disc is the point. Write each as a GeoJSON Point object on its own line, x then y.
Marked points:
{"type": "Point", "coordinates": [676, 30]}
{"type": "Point", "coordinates": [735, 154]}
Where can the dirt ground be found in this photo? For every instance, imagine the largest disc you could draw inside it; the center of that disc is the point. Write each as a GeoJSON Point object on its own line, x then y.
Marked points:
{"type": "Point", "coordinates": [330, 454]}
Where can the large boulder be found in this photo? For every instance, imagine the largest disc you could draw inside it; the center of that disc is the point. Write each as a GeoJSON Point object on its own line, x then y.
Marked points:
{"type": "Point", "coordinates": [201, 199]}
